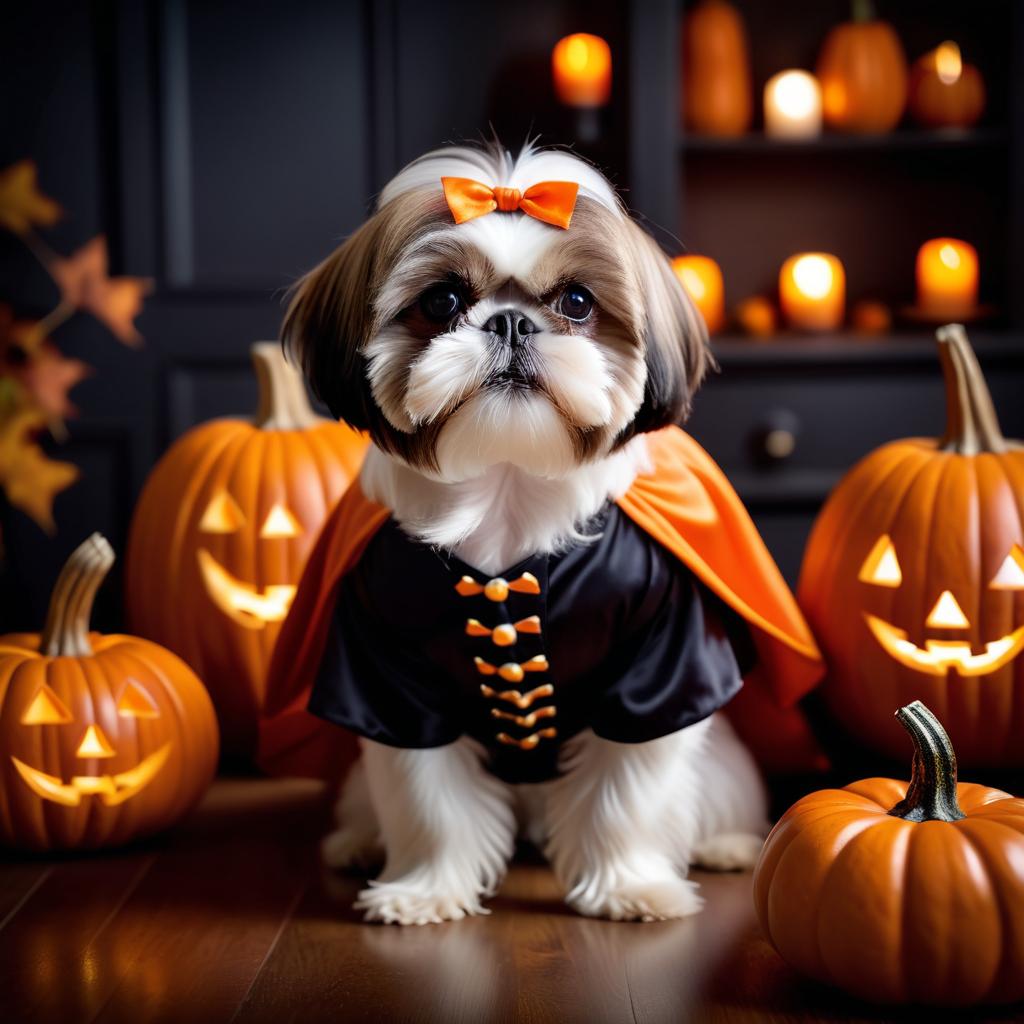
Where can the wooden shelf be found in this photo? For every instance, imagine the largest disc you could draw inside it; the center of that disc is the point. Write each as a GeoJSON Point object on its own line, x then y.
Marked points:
{"type": "Point", "coordinates": [910, 140]}
{"type": "Point", "coordinates": [846, 347]}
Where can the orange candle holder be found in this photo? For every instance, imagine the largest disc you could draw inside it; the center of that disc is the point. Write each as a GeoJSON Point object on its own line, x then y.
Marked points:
{"type": "Point", "coordinates": [582, 69]}
{"type": "Point", "coordinates": [701, 276]}
{"type": "Point", "coordinates": [812, 291]}
{"type": "Point", "coordinates": [947, 278]}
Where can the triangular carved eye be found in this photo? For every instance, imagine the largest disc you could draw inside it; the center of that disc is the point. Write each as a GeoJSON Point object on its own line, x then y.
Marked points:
{"type": "Point", "coordinates": [1011, 572]}
{"type": "Point", "coordinates": [881, 567]}
{"type": "Point", "coordinates": [46, 709]}
{"type": "Point", "coordinates": [280, 523]}
{"type": "Point", "coordinates": [222, 515]}
{"type": "Point", "coordinates": [947, 613]}
{"type": "Point", "coordinates": [134, 702]}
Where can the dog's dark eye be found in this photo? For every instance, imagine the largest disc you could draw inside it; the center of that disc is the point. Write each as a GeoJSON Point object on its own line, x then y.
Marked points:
{"type": "Point", "coordinates": [441, 303]}
{"type": "Point", "coordinates": [576, 303]}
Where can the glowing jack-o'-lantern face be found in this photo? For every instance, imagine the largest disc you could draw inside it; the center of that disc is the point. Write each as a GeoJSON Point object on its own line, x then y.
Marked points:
{"type": "Point", "coordinates": [246, 604]}
{"type": "Point", "coordinates": [222, 532]}
{"type": "Point", "coordinates": [913, 580]}
{"type": "Point", "coordinates": [46, 709]}
{"type": "Point", "coordinates": [882, 568]}
{"type": "Point", "coordinates": [103, 738]}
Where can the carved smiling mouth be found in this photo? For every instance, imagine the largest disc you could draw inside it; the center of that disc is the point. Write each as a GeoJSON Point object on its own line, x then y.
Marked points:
{"type": "Point", "coordinates": [112, 789]}
{"type": "Point", "coordinates": [245, 604]}
{"type": "Point", "coordinates": [938, 656]}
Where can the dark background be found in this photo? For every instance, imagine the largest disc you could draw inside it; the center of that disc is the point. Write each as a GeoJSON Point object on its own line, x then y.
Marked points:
{"type": "Point", "coordinates": [224, 148]}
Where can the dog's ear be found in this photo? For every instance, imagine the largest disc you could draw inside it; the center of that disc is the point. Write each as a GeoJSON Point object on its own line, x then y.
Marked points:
{"type": "Point", "coordinates": [329, 320]}
{"type": "Point", "coordinates": [675, 338]}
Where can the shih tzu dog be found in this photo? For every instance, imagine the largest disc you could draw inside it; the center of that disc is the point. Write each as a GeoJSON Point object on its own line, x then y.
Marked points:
{"type": "Point", "coordinates": [518, 653]}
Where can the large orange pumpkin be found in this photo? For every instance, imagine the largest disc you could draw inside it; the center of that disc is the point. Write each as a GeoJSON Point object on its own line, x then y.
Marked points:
{"type": "Point", "coordinates": [901, 893]}
{"type": "Point", "coordinates": [717, 91]}
{"type": "Point", "coordinates": [102, 738]}
{"type": "Point", "coordinates": [945, 92]}
{"type": "Point", "coordinates": [222, 531]}
{"type": "Point", "coordinates": [863, 74]}
{"type": "Point", "coordinates": [913, 579]}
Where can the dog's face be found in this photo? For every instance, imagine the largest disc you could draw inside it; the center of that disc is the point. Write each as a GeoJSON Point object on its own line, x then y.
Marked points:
{"type": "Point", "coordinates": [503, 339]}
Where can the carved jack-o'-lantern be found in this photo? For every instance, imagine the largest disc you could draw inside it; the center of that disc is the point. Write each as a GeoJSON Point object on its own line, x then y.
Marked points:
{"type": "Point", "coordinates": [221, 534]}
{"type": "Point", "coordinates": [913, 579]}
{"type": "Point", "coordinates": [102, 738]}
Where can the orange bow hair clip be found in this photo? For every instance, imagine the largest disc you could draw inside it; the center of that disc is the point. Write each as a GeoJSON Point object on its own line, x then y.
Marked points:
{"type": "Point", "coordinates": [550, 201]}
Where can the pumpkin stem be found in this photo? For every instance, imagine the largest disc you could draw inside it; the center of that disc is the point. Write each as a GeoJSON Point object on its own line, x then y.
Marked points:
{"type": "Point", "coordinates": [67, 621]}
{"type": "Point", "coordinates": [931, 795]}
{"type": "Point", "coordinates": [284, 404]}
{"type": "Point", "coordinates": [971, 422]}
{"type": "Point", "coordinates": [862, 10]}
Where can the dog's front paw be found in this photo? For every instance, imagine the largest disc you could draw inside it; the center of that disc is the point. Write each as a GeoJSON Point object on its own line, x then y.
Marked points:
{"type": "Point", "coordinates": [729, 851]}
{"type": "Point", "coordinates": [414, 903]}
{"type": "Point", "coordinates": [346, 848]}
{"type": "Point", "coordinates": [655, 900]}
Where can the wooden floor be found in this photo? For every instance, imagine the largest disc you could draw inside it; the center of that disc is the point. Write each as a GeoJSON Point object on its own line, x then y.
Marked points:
{"type": "Point", "coordinates": [230, 918]}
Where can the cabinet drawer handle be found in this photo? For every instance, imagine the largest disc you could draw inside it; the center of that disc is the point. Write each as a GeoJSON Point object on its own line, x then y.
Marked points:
{"type": "Point", "coordinates": [779, 443]}
{"type": "Point", "coordinates": [774, 439]}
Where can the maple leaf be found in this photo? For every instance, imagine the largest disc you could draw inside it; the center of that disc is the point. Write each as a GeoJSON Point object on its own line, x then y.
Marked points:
{"type": "Point", "coordinates": [31, 479]}
{"type": "Point", "coordinates": [83, 282]}
{"type": "Point", "coordinates": [21, 202]}
{"type": "Point", "coordinates": [48, 377]}
{"type": "Point", "coordinates": [37, 366]}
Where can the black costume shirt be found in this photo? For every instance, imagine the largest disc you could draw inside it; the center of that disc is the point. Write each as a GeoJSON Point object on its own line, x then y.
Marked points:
{"type": "Point", "coordinates": [614, 634]}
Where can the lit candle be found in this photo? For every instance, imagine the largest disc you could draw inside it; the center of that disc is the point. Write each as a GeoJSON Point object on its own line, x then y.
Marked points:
{"type": "Point", "coordinates": [702, 278]}
{"type": "Point", "coordinates": [945, 92]}
{"type": "Point", "coordinates": [582, 66]}
{"type": "Point", "coordinates": [812, 291]}
{"type": "Point", "coordinates": [947, 278]}
{"type": "Point", "coordinates": [792, 105]}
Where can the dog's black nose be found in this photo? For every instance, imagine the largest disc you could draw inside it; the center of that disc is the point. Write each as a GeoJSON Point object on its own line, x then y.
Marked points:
{"type": "Point", "coordinates": [511, 326]}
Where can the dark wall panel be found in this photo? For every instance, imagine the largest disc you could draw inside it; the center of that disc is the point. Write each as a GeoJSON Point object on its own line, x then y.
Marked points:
{"type": "Point", "coordinates": [265, 142]}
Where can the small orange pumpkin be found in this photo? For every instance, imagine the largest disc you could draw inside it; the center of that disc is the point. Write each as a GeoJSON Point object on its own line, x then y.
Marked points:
{"type": "Point", "coordinates": [869, 316]}
{"type": "Point", "coordinates": [757, 316]}
{"type": "Point", "coordinates": [717, 88]}
{"type": "Point", "coordinates": [901, 893]}
{"type": "Point", "coordinates": [222, 531]}
{"type": "Point", "coordinates": [862, 70]}
{"type": "Point", "coordinates": [945, 92]}
{"type": "Point", "coordinates": [913, 579]}
{"type": "Point", "coordinates": [102, 738]}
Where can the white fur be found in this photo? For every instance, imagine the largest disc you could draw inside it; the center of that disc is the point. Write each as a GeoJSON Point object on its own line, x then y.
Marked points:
{"type": "Point", "coordinates": [448, 831]}
{"type": "Point", "coordinates": [574, 369]}
{"type": "Point", "coordinates": [496, 518]}
{"type": "Point", "coordinates": [620, 826]}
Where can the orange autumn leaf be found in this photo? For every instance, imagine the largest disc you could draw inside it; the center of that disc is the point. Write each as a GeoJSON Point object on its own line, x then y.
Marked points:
{"type": "Point", "coordinates": [48, 377]}
{"type": "Point", "coordinates": [115, 301]}
{"type": "Point", "coordinates": [31, 479]}
{"type": "Point", "coordinates": [21, 202]}
{"type": "Point", "coordinates": [37, 366]}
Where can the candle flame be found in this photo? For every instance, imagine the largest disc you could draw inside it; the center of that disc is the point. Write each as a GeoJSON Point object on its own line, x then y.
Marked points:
{"type": "Point", "coordinates": [813, 276]}
{"type": "Point", "coordinates": [795, 93]}
{"type": "Point", "coordinates": [948, 64]}
{"type": "Point", "coordinates": [949, 256]}
{"type": "Point", "coordinates": [577, 54]}
{"type": "Point", "coordinates": [582, 66]}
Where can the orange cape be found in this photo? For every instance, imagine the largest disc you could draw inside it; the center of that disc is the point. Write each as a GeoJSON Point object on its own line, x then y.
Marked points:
{"type": "Point", "coordinates": [688, 506]}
